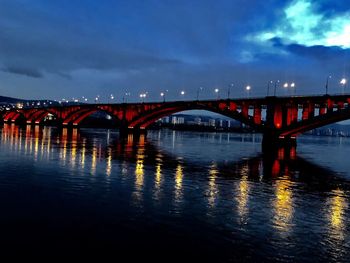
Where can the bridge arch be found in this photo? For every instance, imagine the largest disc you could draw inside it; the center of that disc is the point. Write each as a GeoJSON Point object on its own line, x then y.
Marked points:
{"type": "Point", "coordinates": [37, 116]}
{"type": "Point", "coordinates": [151, 116]}
{"type": "Point", "coordinates": [316, 122]}
{"type": "Point", "coordinates": [77, 117]}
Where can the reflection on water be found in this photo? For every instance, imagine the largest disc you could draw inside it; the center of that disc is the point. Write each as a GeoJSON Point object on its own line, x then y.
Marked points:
{"type": "Point", "coordinates": [242, 199]}
{"type": "Point", "coordinates": [220, 182]}
{"type": "Point", "coordinates": [283, 205]}
{"type": "Point", "coordinates": [213, 190]}
{"type": "Point", "coordinates": [337, 203]}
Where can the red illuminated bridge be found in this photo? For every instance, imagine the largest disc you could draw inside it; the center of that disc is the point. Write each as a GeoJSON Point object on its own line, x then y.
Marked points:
{"type": "Point", "coordinates": [280, 119]}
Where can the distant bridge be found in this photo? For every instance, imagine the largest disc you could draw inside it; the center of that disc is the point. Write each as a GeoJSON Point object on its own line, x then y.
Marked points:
{"type": "Point", "coordinates": [280, 119]}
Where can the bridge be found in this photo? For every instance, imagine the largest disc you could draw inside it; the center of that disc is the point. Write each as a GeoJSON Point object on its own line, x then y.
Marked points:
{"type": "Point", "coordinates": [279, 119]}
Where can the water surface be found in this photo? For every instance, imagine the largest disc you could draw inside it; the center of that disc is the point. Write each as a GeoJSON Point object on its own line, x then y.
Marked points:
{"type": "Point", "coordinates": [191, 196]}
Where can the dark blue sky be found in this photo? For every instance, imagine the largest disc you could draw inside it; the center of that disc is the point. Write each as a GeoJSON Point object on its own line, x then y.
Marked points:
{"type": "Point", "coordinates": [70, 48]}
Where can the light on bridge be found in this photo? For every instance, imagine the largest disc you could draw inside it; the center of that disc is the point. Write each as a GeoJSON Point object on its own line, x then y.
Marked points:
{"type": "Point", "coordinates": [343, 82]}
{"type": "Point", "coordinates": [248, 88]}
{"type": "Point", "coordinates": [143, 96]}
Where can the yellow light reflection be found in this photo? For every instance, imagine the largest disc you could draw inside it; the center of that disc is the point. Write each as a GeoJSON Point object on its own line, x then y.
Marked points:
{"type": "Point", "coordinates": [82, 158]}
{"type": "Point", "coordinates": [74, 146]}
{"type": "Point", "coordinates": [338, 204]}
{"type": "Point", "coordinates": [283, 205]}
{"type": "Point", "coordinates": [242, 199]}
{"type": "Point", "coordinates": [36, 144]}
{"type": "Point", "coordinates": [109, 163]}
{"type": "Point", "coordinates": [139, 176]}
{"type": "Point", "coordinates": [93, 160]}
{"type": "Point", "coordinates": [27, 139]}
{"type": "Point", "coordinates": [213, 172]}
{"type": "Point", "coordinates": [158, 181]}
{"type": "Point", "coordinates": [139, 168]}
{"type": "Point", "coordinates": [63, 152]}
{"type": "Point", "coordinates": [158, 175]}
{"type": "Point", "coordinates": [178, 182]}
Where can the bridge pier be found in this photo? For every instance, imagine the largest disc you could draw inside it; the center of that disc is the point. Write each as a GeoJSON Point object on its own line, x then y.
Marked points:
{"type": "Point", "coordinates": [273, 142]}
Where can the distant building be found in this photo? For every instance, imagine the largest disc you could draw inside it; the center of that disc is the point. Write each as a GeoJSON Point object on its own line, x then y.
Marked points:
{"type": "Point", "coordinates": [211, 122]}
{"type": "Point", "coordinates": [174, 120]}
{"type": "Point", "coordinates": [180, 120]}
{"type": "Point", "coordinates": [197, 120]}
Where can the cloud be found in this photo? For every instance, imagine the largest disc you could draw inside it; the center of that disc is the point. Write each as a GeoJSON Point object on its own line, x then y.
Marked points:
{"type": "Point", "coordinates": [33, 42]}
{"type": "Point", "coordinates": [23, 71]}
{"type": "Point", "coordinates": [310, 24]}
{"type": "Point", "coordinates": [103, 47]}
{"type": "Point", "coordinates": [318, 52]}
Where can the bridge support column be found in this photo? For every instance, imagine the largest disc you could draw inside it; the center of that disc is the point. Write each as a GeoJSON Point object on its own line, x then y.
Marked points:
{"type": "Point", "coordinates": [272, 142]}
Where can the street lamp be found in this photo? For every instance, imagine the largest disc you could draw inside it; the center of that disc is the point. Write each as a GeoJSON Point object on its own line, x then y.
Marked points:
{"type": "Point", "coordinates": [274, 91]}
{"type": "Point", "coordinates": [293, 86]}
{"type": "Point", "coordinates": [248, 88]}
{"type": "Point", "coordinates": [182, 93]}
{"type": "Point", "coordinates": [229, 90]}
{"type": "Point", "coordinates": [327, 80]}
{"type": "Point", "coordinates": [111, 97]}
{"type": "Point", "coordinates": [162, 94]}
{"type": "Point", "coordinates": [217, 93]}
{"type": "Point", "coordinates": [343, 84]}
{"type": "Point", "coordinates": [268, 87]}
{"type": "Point", "coordinates": [286, 85]}
{"type": "Point", "coordinates": [124, 97]}
{"type": "Point", "coordinates": [199, 90]}
{"type": "Point", "coordinates": [143, 96]}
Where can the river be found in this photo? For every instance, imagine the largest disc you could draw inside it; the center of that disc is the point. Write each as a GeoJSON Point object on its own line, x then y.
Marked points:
{"type": "Point", "coordinates": [205, 197]}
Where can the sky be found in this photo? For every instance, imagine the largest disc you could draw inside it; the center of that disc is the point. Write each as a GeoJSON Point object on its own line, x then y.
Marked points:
{"type": "Point", "coordinates": [70, 48]}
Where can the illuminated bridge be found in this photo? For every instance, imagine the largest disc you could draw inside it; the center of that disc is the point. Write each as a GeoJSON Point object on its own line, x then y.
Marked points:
{"type": "Point", "coordinates": [280, 119]}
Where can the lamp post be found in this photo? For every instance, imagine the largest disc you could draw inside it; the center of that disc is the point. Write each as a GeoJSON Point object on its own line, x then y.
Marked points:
{"type": "Point", "coordinates": [286, 85]}
{"type": "Point", "coordinates": [182, 93]}
{"type": "Point", "coordinates": [143, 96]}
{"type": "Point", "coordinates": [229, 90]}
{"type": "Point", "coordinates": [248, 88]}
{"type": "Point", "coordinates": [199, 90]}
{"type": "Point", "coordinates": [327, 81]}
{"type": "Point", "coordinates": [274, 91]}
{"type": "Point", "coordinates": [217, 93]}
{"type": "Point", "coordinates": [268, 87]}
{"type": "Point", "coordinates": [162, 94]}
{"type": "Point", "coordinates": [343, 82]}
{"type": "Point", "coordinates": [111, 97]}
{"type": "Point", "coordinates": [293, 86]}
{"type": "Point", "coordinates": [124, 99]}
